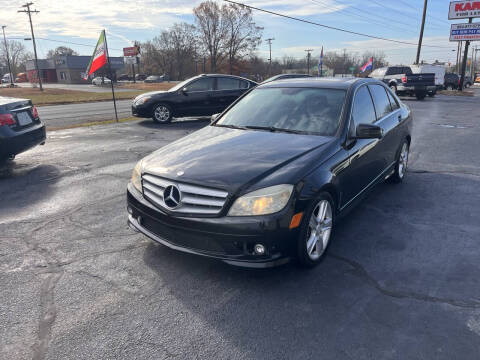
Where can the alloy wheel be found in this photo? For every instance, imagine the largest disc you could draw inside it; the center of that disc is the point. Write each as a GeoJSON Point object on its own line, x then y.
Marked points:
{"type": "Point", "coordinates": [319, 229]}
{"type": "Point", "coordinates": [162, 114]}
{"type": "Point", "coordinates": [403, 160]}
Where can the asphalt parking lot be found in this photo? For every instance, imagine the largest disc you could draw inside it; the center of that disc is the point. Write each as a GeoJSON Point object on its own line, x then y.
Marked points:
{"type": "Point", "coordinates": [401, 279]}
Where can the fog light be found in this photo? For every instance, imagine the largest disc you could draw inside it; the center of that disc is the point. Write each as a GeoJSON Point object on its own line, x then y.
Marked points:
{"type": "Point", "coordinates": [129, 210]}
{"type": "Point", "coordinates": [259, 249]}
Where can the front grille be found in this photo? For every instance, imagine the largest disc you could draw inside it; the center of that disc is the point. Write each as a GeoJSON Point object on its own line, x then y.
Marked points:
{"type": "Point", "coordinates": [194, 199]}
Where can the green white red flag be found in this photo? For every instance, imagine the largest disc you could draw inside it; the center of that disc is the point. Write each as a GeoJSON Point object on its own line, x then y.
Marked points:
{"type": "Point", "coordinates": [99, 57]}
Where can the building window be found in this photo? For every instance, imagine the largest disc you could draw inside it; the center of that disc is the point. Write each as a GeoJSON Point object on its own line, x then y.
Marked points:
{"type": "Point", "coordinates": [63, 76]}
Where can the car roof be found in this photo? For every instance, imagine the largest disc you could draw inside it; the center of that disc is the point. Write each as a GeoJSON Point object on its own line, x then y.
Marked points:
{"type": "Point", "coordinates": [223, 75]}
{"type": "Point", "coordinates": [331, 83]}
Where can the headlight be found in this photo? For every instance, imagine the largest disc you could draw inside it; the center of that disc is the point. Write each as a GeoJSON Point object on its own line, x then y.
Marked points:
{"type": "Point", "coordinates": [142, 100]}
{"type": "Point", "coordinates": [262, 202]}
{"type": "Point", "coordinates": [137, 176]}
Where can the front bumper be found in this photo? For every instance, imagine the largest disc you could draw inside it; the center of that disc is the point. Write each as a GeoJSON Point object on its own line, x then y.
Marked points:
{"type": "Point", "coordinates": [15, 142]}
{"type": "Point", "coordinates": [230, 239]}
{"type": "Point", "coordinates": [141, 111]}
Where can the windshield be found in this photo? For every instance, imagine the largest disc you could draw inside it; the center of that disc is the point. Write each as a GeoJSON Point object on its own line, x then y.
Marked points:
{"type": "Point", "coordinates": [303, 110]}
{"type": "Point", "coordinates": [180, 85]}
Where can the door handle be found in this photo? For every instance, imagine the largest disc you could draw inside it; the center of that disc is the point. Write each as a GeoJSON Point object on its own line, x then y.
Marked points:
{"type": "Point", "coordinates": [399, 118]}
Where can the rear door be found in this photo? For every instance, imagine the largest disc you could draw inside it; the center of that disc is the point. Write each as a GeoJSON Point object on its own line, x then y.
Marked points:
{"type": "Point", "coordinates": [228, 89]}
{"type": "Point", "coordinates": [197, 100]}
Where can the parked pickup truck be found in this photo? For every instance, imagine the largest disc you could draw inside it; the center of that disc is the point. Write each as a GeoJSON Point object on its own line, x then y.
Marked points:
{"type": "Point", "coordinates": [403, 81]}
{"type": "Point", "coordinates": [20, 127]}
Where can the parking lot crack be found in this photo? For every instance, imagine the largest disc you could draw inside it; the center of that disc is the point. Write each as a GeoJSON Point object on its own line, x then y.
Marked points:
{"type": "Point", "coordinates": [48, 314]}
{"type": "Point", "coordinates": [360, 271]}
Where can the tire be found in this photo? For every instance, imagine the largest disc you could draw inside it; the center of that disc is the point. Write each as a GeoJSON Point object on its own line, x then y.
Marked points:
{"type": "Point", "coordinates": [420, 95]}
{"type": "Point", "coordinates": [449, 87]}
{"type": "Point", "coordinates": [401, 164]}
{"type": "Point", "coordinates": [393, 87]}
{"type": "Point", "coordinates": [313, 244]}
{"type": "Point", "coordinates": [432, 93]}
{"type": "Point", "coordinates": [162, 113]}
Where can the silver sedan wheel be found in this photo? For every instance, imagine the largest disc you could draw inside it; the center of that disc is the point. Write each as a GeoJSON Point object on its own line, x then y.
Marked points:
{"type": "Point", "coordinates": [403, 161]}
{"type": "Point", "coordinates": [162, 114]}
{"type": "Point", "coordinates": [319, 229]}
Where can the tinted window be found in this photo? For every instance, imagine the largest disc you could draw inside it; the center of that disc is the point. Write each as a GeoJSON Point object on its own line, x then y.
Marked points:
{"type": "Point", "coordinates": [363, 110]}
{"type": "Point", "coordinates": [204, 84]}
{"type": "Point", "coordinates": [407, 71]}
{"type": "Point", "coordinates": [225, 83]}
{"type": "Point", "coordinates": [393, 101]}
{"type": "Point", "coordinates": [394, 70]}
{"type": "Point", "coordinates": [306, 110]}
{"type": "Point", "coordinates": [380, 99]}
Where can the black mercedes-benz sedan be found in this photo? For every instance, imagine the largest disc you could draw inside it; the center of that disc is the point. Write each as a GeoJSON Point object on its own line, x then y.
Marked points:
{"type": "Point", "coordinates": [201, 95]}
{"type": "Point", "coordinates": [20, 127]}
{"type": "Point", "coordinates": [268, 179]}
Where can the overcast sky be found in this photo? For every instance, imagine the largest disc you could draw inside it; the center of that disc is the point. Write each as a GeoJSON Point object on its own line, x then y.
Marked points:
{"type": "Point", "coordinates": [126, 20]}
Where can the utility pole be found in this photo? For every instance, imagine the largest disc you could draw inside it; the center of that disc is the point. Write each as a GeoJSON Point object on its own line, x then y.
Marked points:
{"type": "Point", "coordinates": [417, 61]}
{"type": "Point", "coordinates": [344, 61]}
{"type": "Point", "coordinates": [29, 12]}
{"type": "Point", "coordinates": [8, 56]}
{"type": "Point", "coordinates": [308, 60]}
{"type": "Point", "coordinates": [269, 40]}
{"type": "Point", "coordinates": [464, 62]}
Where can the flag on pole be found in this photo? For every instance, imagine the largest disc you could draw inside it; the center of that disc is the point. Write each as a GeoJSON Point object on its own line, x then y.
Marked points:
{"type": "Point", "coordinates": [320, 63]}
{"type": "Point", "coordinates": [368, 65]}
{"type": "Point", "coordinates": [99, 57]}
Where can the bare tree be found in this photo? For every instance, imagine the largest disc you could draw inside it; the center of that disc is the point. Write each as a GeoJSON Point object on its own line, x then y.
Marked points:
{"type": "Point", "coordinates": [60, 51]}
{"type": "Point", "coordinates": [213, 30]}
{"type": "Point", "coordinates": [242, 36]}
{"type": "Point", "coordinates": [182, 41]}
{"type": "Point", "coordinates": [18, 55]}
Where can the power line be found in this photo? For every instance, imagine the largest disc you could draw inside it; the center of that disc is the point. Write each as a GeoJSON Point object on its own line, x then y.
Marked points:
{"type": "Point", "coordinates": [329, 27]}
{"type": "Point", "coordinates": [366, 17]}
{"type": "Point", "coordinates": [61, 42]}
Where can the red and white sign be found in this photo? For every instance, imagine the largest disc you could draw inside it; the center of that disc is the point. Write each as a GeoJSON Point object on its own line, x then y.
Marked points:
{"type": "Point", "coordinates": [130, 51]}
{"type": "Point", "coordinates": [464, 9]}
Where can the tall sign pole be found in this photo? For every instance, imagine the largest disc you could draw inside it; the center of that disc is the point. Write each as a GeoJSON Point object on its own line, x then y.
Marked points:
{"type": "Point", "coordinates": [420, 39]}
{"type": "Point", "coordinates": [8, 56]}
{"type": "Point", "coordinates": [464, 60]}
{"type": "Point", "coordinates": [29, 12]}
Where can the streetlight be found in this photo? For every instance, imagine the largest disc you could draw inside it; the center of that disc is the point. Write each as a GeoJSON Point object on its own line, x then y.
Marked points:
{"type": "Point", "coordinates": [8, 57]}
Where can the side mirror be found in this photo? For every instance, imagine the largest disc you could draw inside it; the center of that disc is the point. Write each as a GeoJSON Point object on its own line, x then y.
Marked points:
{"type": "Point", "coordinates": [184, 90]}
{"type": "Point", "coordinates": [368, 131]}
{"type": "Point", "coordinates": [213, 118]}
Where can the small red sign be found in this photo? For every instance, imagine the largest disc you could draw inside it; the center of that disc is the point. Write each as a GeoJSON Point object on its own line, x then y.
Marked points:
{"type": "Point", "coordinates": [130, 51]}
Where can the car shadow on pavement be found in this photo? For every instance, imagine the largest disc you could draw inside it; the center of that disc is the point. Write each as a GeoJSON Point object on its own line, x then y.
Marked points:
{"type": "Point", "coordinates": [395, 264]}
{"type": "Point", "coordinates": [22, 184]}
{"type": "Point", "coordinates": [184, 124]}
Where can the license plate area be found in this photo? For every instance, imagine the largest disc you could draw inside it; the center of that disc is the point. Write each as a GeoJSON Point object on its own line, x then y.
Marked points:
{"type": "Point", "coordinates": [24, 118]}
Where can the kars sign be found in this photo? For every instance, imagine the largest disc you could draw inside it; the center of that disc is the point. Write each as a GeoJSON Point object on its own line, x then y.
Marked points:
{"type": "Point", "coordinates": [130, 51]}
{"type": "Point", "coordinates": [462, 32]}
{"type": "Point", "coordinates": [464, 9]}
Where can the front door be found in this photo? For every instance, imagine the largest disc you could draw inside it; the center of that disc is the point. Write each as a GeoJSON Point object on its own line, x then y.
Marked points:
{"type": "Point", "coordinates": [197, 99]}
{"type": "Point", "coordinates": [366, 162]}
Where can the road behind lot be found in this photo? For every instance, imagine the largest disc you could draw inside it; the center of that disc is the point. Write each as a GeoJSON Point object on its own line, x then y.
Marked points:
{"type": "Point", "coordinates": [61, 116]}
{"type": "Point", "coordinates": [401, 280]}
